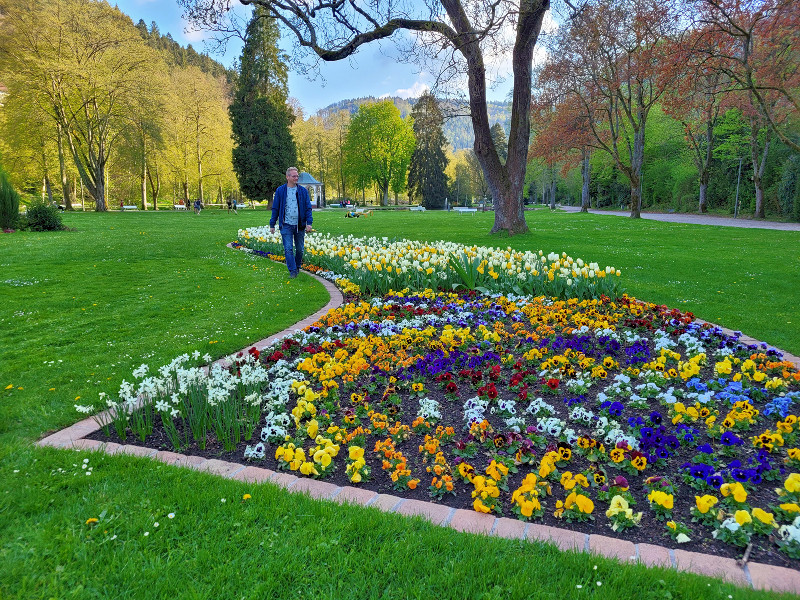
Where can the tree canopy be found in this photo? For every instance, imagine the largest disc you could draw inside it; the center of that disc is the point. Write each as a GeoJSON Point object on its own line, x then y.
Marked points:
{"type": "Point", "coordinates": [379, 145]}
{"type": "Point", "coordinates": [463, 30]}
{"type": "Point", "coordinates": [261, 120]}
{"type": "Point", "coordinates": [426, 178]}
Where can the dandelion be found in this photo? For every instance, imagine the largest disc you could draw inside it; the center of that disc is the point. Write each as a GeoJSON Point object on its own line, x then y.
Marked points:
{"type": "Point", "coordinates": [92, 520]}
{"type": "Point", "coordinates": [246, 497]}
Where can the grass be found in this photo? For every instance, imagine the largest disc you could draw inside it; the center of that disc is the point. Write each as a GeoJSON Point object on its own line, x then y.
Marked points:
{"type": "Point", "coordinates": [79, 310]}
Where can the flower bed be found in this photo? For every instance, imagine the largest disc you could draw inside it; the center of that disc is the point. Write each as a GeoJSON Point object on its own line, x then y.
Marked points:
{"type": "Point", "coordinates": [378, 266]}
{"type": "Point", "coordinates": [619, 416]}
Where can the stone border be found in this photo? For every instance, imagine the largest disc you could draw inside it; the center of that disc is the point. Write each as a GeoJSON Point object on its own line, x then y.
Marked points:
{"type": "Point", "coordinates": [755, 575]}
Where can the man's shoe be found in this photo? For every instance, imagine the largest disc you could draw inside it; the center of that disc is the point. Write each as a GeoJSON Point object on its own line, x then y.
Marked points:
{"type": "Point", "coordinates": [292, 275]}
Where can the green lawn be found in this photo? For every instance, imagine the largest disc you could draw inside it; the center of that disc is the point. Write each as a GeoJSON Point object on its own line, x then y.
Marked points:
{"type": "Point", "coordinates": [80, 309]}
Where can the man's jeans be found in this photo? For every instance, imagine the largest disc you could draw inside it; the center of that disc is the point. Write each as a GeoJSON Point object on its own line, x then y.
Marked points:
{"type": "Point", "coordinates": [291, 236]}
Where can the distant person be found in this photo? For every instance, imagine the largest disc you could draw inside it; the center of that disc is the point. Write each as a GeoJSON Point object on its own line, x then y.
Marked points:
{"type": "Point", "coordinates": [232, 206]}
{"type": "Point", "coordinates": [198, 206]}
{"type": "Point", "coordinates": [291, 210]}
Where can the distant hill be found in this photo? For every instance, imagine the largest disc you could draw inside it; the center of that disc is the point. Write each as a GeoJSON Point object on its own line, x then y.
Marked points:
{"type": "Point", "coordinates": [457, 130]}
{"type": "Point", "coordinates": [175, 54]}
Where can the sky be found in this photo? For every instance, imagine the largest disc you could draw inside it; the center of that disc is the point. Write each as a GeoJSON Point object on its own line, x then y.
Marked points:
{"type": "Point", "coordinates": [373, 71]}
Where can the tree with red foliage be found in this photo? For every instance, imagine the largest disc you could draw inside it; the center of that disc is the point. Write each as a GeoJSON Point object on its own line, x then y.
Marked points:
{"type": "Point", "coordinates": [696, 101]}
{"type": "Point", "coordinates": [612, 60]}
{"type": "Point", "coordinates": [561, 134]}
{"type": "Point", "coordinates": [755, 46]}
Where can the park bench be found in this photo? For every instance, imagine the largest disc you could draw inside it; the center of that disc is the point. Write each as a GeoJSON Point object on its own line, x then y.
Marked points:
{"type": "Point", "coordinates": [179, 206]}
{"type": "Point", "coordinates": [129, 207]}
{"type": "Point", "coordinates": [417, 208]}
{"type": "Point", "coordinates": [464, 209]}
{"type": "Point", "coordinates": [238, 206]}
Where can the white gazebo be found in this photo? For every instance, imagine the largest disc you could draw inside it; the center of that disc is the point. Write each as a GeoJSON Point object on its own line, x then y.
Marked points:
{"type": "Point", "coordinates": [308, 182]}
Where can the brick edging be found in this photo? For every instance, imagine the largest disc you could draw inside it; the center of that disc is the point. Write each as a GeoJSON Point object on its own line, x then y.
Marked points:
{"type": "Point", "coordinates": [756, 575]}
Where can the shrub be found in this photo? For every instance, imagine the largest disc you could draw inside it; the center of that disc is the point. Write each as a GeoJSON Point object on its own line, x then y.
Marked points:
{"type": "Point", "coordinates": [9, 202]}
{"type": "Point", "coordinates": [44, 217]}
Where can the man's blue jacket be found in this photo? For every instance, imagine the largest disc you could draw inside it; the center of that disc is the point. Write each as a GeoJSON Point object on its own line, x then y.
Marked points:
{"type": "Point", "coordinates": [303, 208]}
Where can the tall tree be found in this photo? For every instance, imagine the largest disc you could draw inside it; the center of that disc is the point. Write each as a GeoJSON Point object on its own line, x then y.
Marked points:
{"type": "Point", "coordinates": [500, 141]}
{"type": "Point", "coordinates": [754, 44]}
{"type": "Point", "coordinates": [607, 60]}
{"type": "Point", "coordinates": [469, 29]}
{"type": "Point", "coordinates": [378, 147]}
{"type": "Point", "coordinates": [86, 62]}
{"type": "Point", "coordinates": [558, 132]}
{"type": "Point", "coordinates": [426, 178]}
{"type": "Point", "coordinates": [260, 117]}
{"type": "Point", "coordinates": [696, 101]}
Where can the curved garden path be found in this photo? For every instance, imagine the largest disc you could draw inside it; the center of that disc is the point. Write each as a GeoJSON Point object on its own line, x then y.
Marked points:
{"type": "Point", "coordinates": [695, 219]}
{"type": "Point", "coordinates": [754, 575]}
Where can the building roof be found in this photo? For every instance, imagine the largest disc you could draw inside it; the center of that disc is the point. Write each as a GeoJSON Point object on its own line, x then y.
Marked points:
{"type": "Point", "coordinates": [306, 179]}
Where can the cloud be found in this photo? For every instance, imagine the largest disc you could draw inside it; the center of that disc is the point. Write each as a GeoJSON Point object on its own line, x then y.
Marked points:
{"type": "Point", "coordinates": [415, 91]}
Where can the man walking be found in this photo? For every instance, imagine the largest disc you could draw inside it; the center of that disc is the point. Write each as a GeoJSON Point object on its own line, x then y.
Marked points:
{"type": "Point", "coordinates": [291, 210]}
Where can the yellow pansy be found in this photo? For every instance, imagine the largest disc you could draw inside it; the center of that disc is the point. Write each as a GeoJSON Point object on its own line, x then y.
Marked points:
{"type": "Point", "coordinates": [792, 483]}
{"type": "Point", "coordinates": [704, 503]}
{"type": "Point", "coordinates": [763, 516]}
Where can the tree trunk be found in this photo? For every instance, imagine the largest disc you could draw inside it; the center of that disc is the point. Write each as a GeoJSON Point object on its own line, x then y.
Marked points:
{"type": "Point", "coordinates": [585, 201]}
{"type": "Point", "coordinates": [703, 194]}
{"type": "Point", "coordinates": [155, 187]}
{"type": "Point", "coordinates": [62, 167]}
{"type": "Point", "coordinates": [200, 179]}
{"type": "Point", "coordinates": [553, 190]}
{"type": "Point", "coordinates": [144, 172]}
{"type": "Point", "coordinates": [637, 160]}
{"type": "Point", "coordinates": [636, 197]}
{"type": "Point", "coordinates": [47, 189]}
{"type": "Point", "coordinates": [74, 193]}
{"type": "Point", "coordinates": [759, 162]}
{"type": "Point", "coordinates": [705, 168]}
{"type": "Point", "coordinates": [186, 191]}
{"type": "Point", "coordinates": [504, 181]}
{"type": "Point", "coordinates": [100, 189]}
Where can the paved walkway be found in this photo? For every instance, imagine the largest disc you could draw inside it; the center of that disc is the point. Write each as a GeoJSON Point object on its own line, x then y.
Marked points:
{"type": "Point", "coordinates": [695, 219]}
{"type": "Point", "coordinates": [755, 575]}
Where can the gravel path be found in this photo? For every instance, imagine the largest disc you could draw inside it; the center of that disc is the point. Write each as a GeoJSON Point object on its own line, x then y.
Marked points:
{"type": "Point", "coordinates": [696, 219]}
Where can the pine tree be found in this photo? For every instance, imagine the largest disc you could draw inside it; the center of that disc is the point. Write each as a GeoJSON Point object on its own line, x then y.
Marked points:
{"type": "Point", "coordinates": [426, 178]}
{"type": "Point", "coordinates": [500, 141]}
{"type": "Point", "coordinates": [260, 117]}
